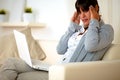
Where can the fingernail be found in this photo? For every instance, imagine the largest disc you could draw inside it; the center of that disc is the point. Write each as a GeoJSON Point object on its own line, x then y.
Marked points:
{"type": "Point", "coordinates": [89, 6]}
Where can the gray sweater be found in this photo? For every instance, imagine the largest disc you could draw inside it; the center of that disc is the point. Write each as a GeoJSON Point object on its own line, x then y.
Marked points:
{"type": "Point", "coordinates": [92, 45]}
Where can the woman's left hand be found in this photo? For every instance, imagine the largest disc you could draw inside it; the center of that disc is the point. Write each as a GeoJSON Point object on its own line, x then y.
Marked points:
{"type": "Point", "coordinates": [94, 13]}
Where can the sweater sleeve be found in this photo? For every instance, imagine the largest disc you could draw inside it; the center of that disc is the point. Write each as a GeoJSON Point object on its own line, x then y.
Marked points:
{"type": "Point", "coordinates": [98, 37]}
{"type": "Point", "coordinates": [63, 43]}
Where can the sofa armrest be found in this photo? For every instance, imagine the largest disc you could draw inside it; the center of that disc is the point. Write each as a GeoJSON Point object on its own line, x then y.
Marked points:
{"type": "Point", "coordinates": [96, 70]}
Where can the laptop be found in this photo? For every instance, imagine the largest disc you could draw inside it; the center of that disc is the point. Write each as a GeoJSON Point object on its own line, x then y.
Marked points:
{"type": "Point", "coordinates": [24, 53]}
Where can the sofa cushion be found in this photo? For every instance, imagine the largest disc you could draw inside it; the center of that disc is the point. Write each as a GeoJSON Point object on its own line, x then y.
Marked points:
{"type": "Point", "coordinates": [113, 53]}
{"type": "Point", "coordinates": [8, 46]}
{"type": "Point", "coordinates": [34, 75]}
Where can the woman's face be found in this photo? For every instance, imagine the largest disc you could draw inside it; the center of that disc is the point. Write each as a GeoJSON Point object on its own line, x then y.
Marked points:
{"type": "Point", "coordinates": [85, 17]}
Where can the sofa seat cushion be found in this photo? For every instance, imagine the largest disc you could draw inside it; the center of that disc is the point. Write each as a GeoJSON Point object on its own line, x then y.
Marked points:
{"type": "Point", "coordinates": [113, 53]}
{"type": "Point", "coordinates": [33, 75]}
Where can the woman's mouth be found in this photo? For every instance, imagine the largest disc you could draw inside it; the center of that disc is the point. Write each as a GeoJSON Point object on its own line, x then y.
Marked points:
{"type": "Point", "coordinates": [85, 20]}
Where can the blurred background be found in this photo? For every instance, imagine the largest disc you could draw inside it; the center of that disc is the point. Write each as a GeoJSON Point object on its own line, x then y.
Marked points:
{"type": "Point", "coordinates": [56, 15]}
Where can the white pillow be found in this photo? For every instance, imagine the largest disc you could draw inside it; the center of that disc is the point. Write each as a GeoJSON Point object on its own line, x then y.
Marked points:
{"type": "Point", "coordinates": [8, 46]}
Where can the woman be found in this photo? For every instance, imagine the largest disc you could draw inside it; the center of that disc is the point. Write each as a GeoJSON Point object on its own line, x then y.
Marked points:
{"type": "Point", "coordinates": [80, 43]}
{"type": "Point", "coordinates": [90, 41]}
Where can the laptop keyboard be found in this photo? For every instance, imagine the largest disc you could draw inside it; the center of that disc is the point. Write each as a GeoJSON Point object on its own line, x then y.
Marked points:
{"type": "Point", "coordinates": [37, 64]}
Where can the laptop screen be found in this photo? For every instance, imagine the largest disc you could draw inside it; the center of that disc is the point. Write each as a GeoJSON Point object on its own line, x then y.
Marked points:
{"type": "Point", "coordinates": [22, 47]}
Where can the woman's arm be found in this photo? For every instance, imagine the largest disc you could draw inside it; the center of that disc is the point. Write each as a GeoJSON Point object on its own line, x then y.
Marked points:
{"type": "Point", "coordinates": [63, 43]}
{"type": "Point", "coordinates": [74, 26]}
{"type": "Point", "coordinates": [98, 37]}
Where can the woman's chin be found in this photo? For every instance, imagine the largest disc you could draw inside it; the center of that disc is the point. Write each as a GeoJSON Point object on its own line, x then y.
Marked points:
{"type": "Point", "coordinates": [86, 24]}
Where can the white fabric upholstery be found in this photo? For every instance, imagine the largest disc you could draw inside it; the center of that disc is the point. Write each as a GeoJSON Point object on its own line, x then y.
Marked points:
{"type": "Point", "coordinates": [96, 70]}
{"type": "Point", "coordinates": [113, 53]}
{"type": "Point", "coordinates": [107, 69]}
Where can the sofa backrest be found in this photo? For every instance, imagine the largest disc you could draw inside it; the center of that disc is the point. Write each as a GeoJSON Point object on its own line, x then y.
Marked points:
{"type": "Point", "coordinates": [49, 47]}
{"type": "Point", "coordinates": [113, 53]}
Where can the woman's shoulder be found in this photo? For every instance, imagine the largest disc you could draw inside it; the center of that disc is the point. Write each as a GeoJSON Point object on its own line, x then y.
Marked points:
{"type": "Point", "coordinates": [107, 26]}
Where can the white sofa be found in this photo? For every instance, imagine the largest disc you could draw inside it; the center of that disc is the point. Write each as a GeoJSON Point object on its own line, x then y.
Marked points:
{"type": "Point", "coordinates": [107, 69]}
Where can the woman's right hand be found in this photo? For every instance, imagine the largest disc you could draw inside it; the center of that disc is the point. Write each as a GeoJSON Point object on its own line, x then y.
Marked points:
{"type": "Point", "coordinates": [76, 18]}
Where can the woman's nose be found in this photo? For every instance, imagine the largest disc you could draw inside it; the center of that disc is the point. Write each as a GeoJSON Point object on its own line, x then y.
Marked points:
{"type": "Point", "coordinates": [82, 15]}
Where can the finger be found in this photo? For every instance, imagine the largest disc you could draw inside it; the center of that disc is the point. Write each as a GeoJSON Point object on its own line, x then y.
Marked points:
{"type": "Point", "coordinates": [91, 8]}
{"type": "Point", "coordinates": [94, 13]}
{"type": "Point", "coordinates": [74, 16]}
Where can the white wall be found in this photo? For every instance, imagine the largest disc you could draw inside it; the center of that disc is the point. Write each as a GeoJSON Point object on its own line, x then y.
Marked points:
{"type": "Point", "coordinates": [57, 13]}
{"type": "Point", "coordinates": [14, 9]}
{"type": "Point", "coordinates": [110, 13]}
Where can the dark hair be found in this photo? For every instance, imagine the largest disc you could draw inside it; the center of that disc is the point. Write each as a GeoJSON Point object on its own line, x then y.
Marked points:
{"type": "Point", "coordinates": [85, 4]}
